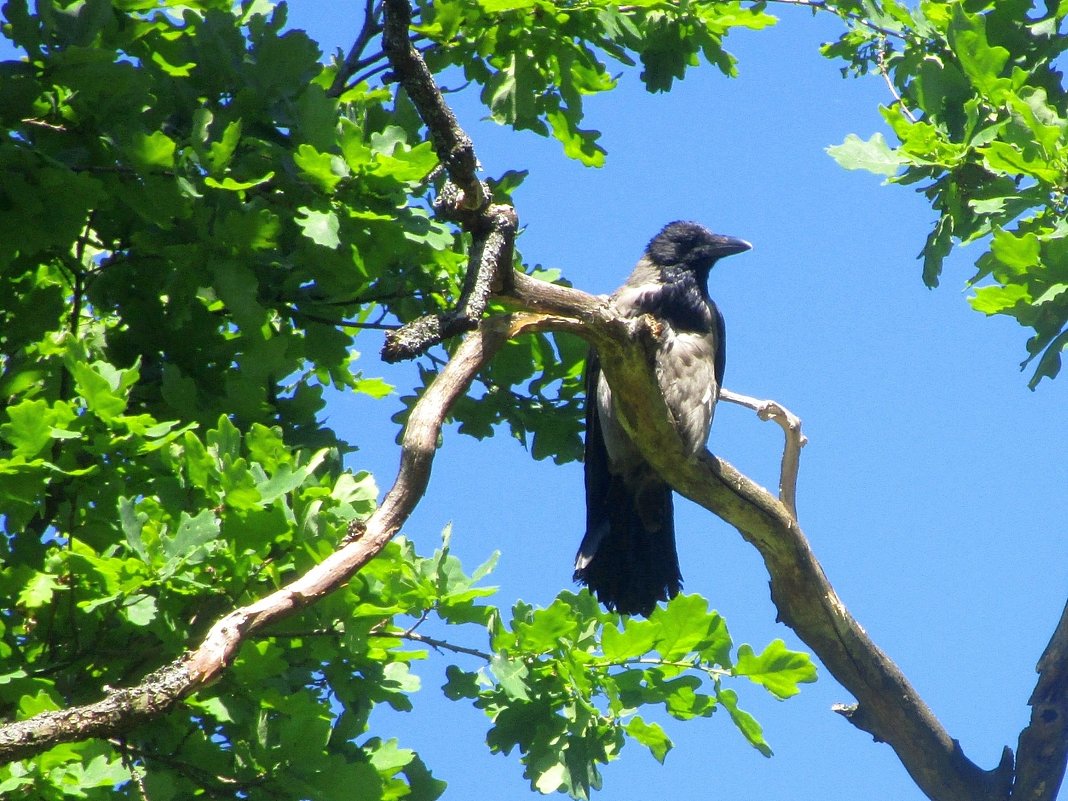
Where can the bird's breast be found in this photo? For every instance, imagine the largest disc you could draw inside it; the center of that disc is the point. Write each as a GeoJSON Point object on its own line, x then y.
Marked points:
{"type": "Point", "coordinates": [681, 305]}
{"type": "Point", "coordinates": [685, 369]}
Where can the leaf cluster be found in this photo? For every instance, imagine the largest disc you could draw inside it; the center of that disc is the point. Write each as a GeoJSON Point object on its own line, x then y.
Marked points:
{"type": "Point", "coordinates": [535, 60]}
{"type": "Point", "coordinates": [564, 684]}
{"type": "Point", "coordinates": [981, 123]}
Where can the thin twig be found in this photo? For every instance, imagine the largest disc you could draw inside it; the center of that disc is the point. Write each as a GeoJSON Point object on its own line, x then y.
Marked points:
{"type": "Point", "coordinates": [794, 441]}
{"type": "Point", "coordinates": [353, 61]}
{"type": "Point", "coordinates": [881, 63]}
{"type": "Point", "coordinates": [860, 19]}
{"type": "Point", "coordinates": [438, 645]}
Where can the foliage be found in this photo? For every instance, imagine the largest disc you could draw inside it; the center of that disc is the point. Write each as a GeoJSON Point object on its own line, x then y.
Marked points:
{"type": "Point", "coordinates": [563, 684]}
{"type": "Point", "coordinates": [981, 125]}
{"type": "Point", "coordinates": [198, 220]}
{"type": "Point", "coordinates": [535, 59]}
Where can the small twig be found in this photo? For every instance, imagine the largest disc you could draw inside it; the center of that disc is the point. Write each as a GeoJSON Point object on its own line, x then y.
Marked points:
{"type": "Point", "coordinates": [422, 619]}
{"type": "Point", "coordinates": [131, 767]}
{"type": "Point", "coordinates": [794, 441]}
{"type": "Point", "coordinates": [353, 61]}
{"type": "Point", "coordinates": [822, 5]}
{"type": "Point", "coordinates": [436, 644]}
{"type": "Point", "coordinates": [881, 62]}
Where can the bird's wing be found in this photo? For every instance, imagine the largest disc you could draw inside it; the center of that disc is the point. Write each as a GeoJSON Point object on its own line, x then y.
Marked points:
{"type": "Point", "coordinates": [598, 476]}
{"type": "Point", "coordinates": [720, 330]}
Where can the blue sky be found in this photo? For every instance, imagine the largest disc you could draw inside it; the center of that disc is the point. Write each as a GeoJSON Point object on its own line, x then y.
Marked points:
{"type": "Point", "coordinates": [933, 485]}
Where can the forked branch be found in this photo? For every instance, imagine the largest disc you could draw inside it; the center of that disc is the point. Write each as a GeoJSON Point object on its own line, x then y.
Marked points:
{"type": "Point", "coordinates": [794, 441]}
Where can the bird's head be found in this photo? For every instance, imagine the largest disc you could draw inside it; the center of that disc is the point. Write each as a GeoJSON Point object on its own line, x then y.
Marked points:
{"type": "Point", "coordinates": [690, 246]}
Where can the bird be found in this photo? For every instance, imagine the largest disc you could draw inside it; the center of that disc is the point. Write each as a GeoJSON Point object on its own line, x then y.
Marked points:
{"type": "Point", "coordinates": [627, 557]}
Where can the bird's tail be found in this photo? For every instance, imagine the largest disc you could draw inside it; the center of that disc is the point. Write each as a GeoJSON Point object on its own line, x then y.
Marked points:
{"type": "Point", "coordinates": [627, 557]}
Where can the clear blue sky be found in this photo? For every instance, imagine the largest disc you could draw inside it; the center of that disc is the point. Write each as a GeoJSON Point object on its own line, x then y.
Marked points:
{"type": "Point", "coordinates": [934, 483]}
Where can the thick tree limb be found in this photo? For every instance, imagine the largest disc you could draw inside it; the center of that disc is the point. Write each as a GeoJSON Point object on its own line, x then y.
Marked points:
{"type": "Point", "coordinates": [1042, 752]}
{"type": "Point", "coordinates": [889, 707]}
{"type": "Point", "coordinates": [122, 709]}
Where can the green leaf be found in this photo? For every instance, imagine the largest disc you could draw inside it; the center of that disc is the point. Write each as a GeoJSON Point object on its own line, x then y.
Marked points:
{"type": "Point", "coordinates": [322, 169]}
{"type": "Point", "coordinates": [375, 387]}
{"type": "Point", "coordinates": [154, 150]}
{"type": "Point", "coordinates": [637, 638]}
{"type": "Point", "coordinates": [578, 144]}
{"type": "Point", "coordinates": [999, 299]}
{"type": "Point", "coordinates": [221, 152]}
{"type": "Point", "coordinates": [38, 591]}
{"type": "Point", "coordinates": [777, 669]}
{"type": "Point", "coordinates": [1009, 159]}
{"type": "Point", "coordinates": [981, 62]}
{"type": "Point", "coordinates": [1017, 251]}
{"type": "Point", "coordinates": [497, 6]}
{"type": "Point", "coordinates": [233, 185]}
{"type": "Point", "coordinates": [103, 772]}
{"type": "Point", "coordinates": [651, 735]}
{"type": "Point", "coordinates": [104, 387]}
{"type": "Point", "coordinates": [140, 609]}
{"type": "Point", "coordinates": [192, 535]}
{"type": "Point", "coordinates": [746, 723]}
{"type": "Point", "coordinates": [512, 675]}
{"type": "Point", "coordinates": [460, 684]}
{"type": "Point", "coordinates": [1051, 294]}
{"type": "Point", "coordinates": [28, 430]}
{"type": "Point", "coordinates": [873, 155]}
{"type": "Point", "coordinates": [687, 626]}
{"type": "Point", "coordinates": [319, 226]}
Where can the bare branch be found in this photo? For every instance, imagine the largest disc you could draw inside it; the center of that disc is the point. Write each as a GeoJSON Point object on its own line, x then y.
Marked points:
{"type": "Point", "coordinates": [464, 199]}
{"type": "Point", "coordinates": [490, 258]}
{"type": "Point", "coordinates": [451, 143]}
{"type": "Point", "coordinates": [354, 61]}
{"type": "Point", "coordinates": [439, 645]}
{"type": "Point", "coordinates": [794, 441]}
{"type": "Point", "coordinates": [122, 709]}
{"type": "Point", "coordinates": [1042, 752]}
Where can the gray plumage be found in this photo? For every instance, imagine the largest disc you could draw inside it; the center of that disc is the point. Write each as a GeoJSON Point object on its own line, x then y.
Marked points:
{"type": "Point", "coordinates": [627, 557]}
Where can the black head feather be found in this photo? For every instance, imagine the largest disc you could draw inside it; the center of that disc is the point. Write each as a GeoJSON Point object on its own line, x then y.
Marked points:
{"type": "Point", "coordinates": [691, 246]}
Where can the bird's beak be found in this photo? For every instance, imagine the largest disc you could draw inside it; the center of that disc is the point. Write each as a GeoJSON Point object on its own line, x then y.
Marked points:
{"type": "Point", "coordinates": [729, 245]}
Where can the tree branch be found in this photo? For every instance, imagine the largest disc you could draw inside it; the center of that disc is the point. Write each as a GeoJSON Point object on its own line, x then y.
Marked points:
{"type": "Point", "coordinates": [1042, 752]}
{"type": "Point", "coordinates": [794, 441]}
{"type": "Point", "coordinates": [123, 709]}
{"type": "Point", "coordinates": [354, 61]}
{"type": "Point", "coordinates": [889, 707]}
{"type": "Point", "coordinates": [464, 199]}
